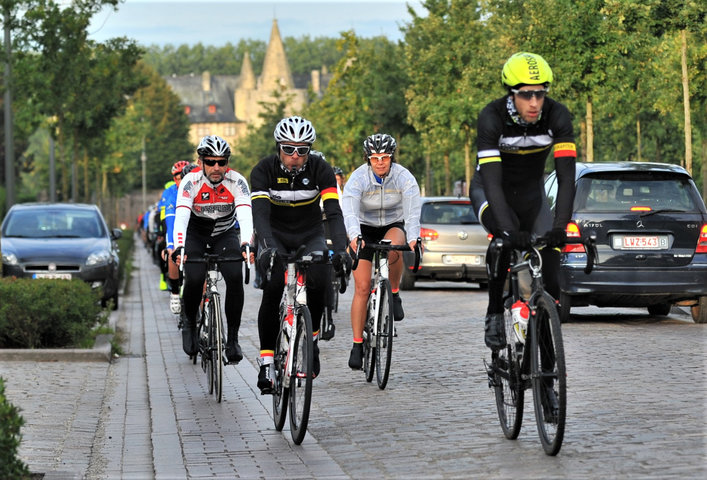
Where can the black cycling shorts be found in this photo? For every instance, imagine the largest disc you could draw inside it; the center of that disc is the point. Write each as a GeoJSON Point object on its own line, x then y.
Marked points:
{"type": "Point", "coordinates": [372, 234]}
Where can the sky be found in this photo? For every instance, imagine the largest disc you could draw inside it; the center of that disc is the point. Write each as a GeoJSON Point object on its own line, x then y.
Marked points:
{"type": "Point", "coordinates": [217, 22]}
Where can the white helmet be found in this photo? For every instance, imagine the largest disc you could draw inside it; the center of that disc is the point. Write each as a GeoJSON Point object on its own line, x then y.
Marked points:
{"type": "Point", "coordinates": [295, 129]}
{"type": "Point", "coordinates": [213, 146]}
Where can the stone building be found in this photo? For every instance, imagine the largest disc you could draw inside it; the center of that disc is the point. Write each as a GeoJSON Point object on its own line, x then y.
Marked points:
{"type": "Point", "coordinates": [226, 105]}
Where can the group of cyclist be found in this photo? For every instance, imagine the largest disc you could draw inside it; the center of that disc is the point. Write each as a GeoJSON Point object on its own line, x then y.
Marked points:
{"type": "Point", "coordinates": [215, 209]}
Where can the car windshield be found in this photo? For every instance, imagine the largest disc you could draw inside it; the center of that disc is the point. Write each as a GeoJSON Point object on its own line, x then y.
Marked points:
{"type": "Point", "coordinates": [447, 213]}
{"type": "Point", "coordinates": [621, 192]}
{"type": "Point", "coordinates": [51, 223]}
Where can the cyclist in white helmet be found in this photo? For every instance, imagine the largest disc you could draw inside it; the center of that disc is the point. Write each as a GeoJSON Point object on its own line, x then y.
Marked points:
{"type": "Point", "coordinates": [287, 188]}
{"type": "Point", "coordinates": [210, 200]}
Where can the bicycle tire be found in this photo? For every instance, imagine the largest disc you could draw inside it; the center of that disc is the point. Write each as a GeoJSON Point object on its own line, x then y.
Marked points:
{"type": "Point", "coordinates": [369, 351]}
{"type": "Point", "coordinates": [217, 345]}
{"type": "Point", "coordinates": [507, 384]}
{"type": "Point", "coordinates": [548, 374]}
{"type": "Point", "coordinates": [206, 357]}
{"type": "Point", "coordinates": [384, 335]}
{"type": "Point", "coordinates": [302, 376]}
{"type": "Point", "coordinates": [280, 392]}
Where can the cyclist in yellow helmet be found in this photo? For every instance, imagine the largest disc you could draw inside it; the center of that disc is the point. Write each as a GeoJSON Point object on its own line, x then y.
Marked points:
{"type": "Point", "coordinates": [516, 133]}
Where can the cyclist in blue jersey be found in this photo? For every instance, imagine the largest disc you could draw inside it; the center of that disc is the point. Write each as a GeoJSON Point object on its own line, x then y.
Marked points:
{"type": "Point", "coordinates": [169, 203]}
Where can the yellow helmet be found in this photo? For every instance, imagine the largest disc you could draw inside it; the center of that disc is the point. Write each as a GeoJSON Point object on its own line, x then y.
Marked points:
{"type": "Point", "coordinates": [525, 68]}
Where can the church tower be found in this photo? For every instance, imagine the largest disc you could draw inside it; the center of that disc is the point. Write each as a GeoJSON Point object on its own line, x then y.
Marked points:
{"type": "Point", "coordinates": [276, 70]}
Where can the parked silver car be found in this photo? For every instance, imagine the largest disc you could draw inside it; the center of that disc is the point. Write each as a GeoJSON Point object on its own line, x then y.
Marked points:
{"type": "Point", "coordinates": [454, 243]}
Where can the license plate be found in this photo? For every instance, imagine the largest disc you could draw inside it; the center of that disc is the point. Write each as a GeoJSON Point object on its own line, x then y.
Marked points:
{"type": "Point", "coordinates": [641, 242]}
{"type": "Point", "coordinates": [59, 276]}
{"type": "Point", "coordinates": [463, 259]}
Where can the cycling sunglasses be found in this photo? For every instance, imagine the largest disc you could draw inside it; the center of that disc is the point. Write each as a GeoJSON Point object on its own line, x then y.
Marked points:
{"type": "Point", "coordinates": [301, 150]}
{"type": "Point", "coordinates": [211, 163]}
{"type": "Point", "coordinates": [529, 94]}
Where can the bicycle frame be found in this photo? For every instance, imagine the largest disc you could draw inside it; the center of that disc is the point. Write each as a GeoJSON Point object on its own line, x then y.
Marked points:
{"type": "Point", "coordinates": [295, 296]}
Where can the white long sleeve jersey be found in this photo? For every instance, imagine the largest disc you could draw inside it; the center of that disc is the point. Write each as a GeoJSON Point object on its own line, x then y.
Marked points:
{"type": "Point", "coordinates": [395, 199]}
{"type": "Point", "coordinates": [213, 208]}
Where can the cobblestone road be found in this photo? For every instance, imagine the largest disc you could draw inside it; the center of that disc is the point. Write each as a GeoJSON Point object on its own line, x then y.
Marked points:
{"type": "Point", "coordinates": [636, 403]}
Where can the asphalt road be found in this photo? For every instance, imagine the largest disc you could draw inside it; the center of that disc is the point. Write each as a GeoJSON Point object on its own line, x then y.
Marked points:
{"type": "Point", "coordinates": [636, 402]}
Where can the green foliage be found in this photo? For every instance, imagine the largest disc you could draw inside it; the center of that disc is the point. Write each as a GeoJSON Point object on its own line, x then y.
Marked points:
{"type": "Point", "coordinates": [46, 313]}
{"type": "Point", "coordinates": [10, 423]}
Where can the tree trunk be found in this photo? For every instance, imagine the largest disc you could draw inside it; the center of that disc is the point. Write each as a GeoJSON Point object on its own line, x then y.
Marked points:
{"type": "Point", "coordinates": [638, 139]}
{"type": "Point", "coordinates": [686, 102]}
{"type": "Point", "coordinates": [467, 163]}
{"type": "Point", "coordinates": [428, 177]}
{"type": "Point", "coordinates": [447, 175]}
{"type": "Point", "coordinates": [583, 141]}
{"type": "Point", "coordinates": [590, 131]}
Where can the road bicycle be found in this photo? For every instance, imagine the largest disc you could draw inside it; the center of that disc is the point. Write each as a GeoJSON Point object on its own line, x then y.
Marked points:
{"type": "Point", "coordinates": [210, 323]}
{"type": "Point", "coordinates": [534, 356]}
{"type": "Point", "coordinates": [379, 331]}
{"type": "Point", "coordinates": [293, 356]}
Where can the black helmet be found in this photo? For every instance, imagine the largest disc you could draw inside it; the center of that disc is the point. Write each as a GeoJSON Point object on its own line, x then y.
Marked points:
{"type": "Point", "coordinates": [379, 143]}
{"type": "Point", "coordinates": [338, 171]}
{"type": "Point", "coordinates": [213, 146]}
{"type": "Point", "coordinates": [188, 169]}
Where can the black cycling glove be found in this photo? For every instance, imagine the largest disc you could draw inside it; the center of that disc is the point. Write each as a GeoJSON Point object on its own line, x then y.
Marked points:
{"type": "Point", "coordinates": [342, 262]}
{"type": "Point", "coordinates": [556, 237]}
{"type": "Point", "coordinates": [178, 252]}
{"type": "Point", "coordinates": [518, 239]}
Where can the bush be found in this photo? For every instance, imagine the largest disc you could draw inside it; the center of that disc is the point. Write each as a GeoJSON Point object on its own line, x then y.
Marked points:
{"type": "Point", "coordinates": [10, 423]}
{"type": "Point", "coordinates": [46, 313]}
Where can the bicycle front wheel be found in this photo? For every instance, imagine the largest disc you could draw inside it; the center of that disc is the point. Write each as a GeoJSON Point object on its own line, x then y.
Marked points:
{"type": "Point", "coordinates": [369, 349]}
{"type": "Point", "coordinates": [301, 380]}
{"type": "Point", "coordinates": [280, 393]}
{"type": "Point", "coordinates": [216, 345]}
{"type": "Point", "coordinates": [384, 335]}
{"type": "Point", "coordinates": [548, 374]}
{"type": "Point", "coordinates": [505, 377]}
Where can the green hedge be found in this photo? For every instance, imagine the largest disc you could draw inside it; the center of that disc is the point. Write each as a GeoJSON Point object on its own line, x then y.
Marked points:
{"type": "Point", "coordinates": [46, 313]}
{"type": "Point", "coordinates": [10, 423]}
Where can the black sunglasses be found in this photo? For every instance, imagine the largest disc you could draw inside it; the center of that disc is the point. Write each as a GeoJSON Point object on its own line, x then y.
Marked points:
{"type": "Point", "coordinates": [301, 150]}
{"type": "Point", "coordinates": [211, 163]}
{"type": "Point", "coordinates": [529, 94]}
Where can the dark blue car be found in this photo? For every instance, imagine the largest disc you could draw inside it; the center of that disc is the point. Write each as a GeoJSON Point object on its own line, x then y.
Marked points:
{"type": "Point", "coordinates": [61, 241]}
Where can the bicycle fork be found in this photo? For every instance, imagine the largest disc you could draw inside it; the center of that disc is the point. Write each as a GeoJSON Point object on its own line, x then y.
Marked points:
{"type": "Point", "coordinates": [296, 293]}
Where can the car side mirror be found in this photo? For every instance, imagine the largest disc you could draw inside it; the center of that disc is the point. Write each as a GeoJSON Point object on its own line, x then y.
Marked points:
{"type": "Point", "coordinates": [116, 233]}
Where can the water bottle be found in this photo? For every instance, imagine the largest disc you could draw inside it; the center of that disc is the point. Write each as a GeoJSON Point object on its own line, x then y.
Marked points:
{"type": "Point", "coordinates": [520, 313]}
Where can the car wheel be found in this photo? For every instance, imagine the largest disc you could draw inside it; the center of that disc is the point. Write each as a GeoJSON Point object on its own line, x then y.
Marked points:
{"type": "Point", "coordinates": [659, 309]}
{"type": "Point", "coordinates": [407, 281]}
{"type": "Point", "coordinates": [565, 306]}
{"type": "Point", "coordinates": [699, 311]}
{"type": "Point", "coordinates": [115, 301]}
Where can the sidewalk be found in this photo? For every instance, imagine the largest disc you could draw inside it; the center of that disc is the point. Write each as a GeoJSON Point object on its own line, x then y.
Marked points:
{"type": "Point", "coordinates": [148, 413]}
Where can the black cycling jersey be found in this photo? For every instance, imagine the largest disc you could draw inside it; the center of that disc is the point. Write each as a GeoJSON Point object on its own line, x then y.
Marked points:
{"type": "Point", "coordinates": [290, 204]}
{"type": "Point", "coordinates": [511, 163]}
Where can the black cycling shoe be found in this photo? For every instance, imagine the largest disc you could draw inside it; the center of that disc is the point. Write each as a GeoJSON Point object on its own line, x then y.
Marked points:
{"type": "Point", "coordinates": [398, 312]}
{"type": "Point", "coordinates": [494, 336]}
{"type": "Point", "coordinates": [265, 381]}
{"type": "Point", "coordinates": [356, 357]}
{"type": "Point", "coordinates": [316, 366]}
{"type": "Point", "coordinates": [233, 352]}
{"type": "Point", "coordinates": [189, 343]}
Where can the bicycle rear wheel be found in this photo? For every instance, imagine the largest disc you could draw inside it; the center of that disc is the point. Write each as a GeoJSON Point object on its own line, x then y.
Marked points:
{"type": "Point", "coordinates": [280, 393]}
{"type": "Point", "coordinates": [384, 335]}
{"type": "Point", "coordinates": [505, 377]}
{"type": "Point", "coordinates": [301, 380]}
{"type": "Point", "coordinates": [369, 349]}
{"type": "Point", "coordinates": [548, 374]}
{"type": "Point", "coordinates": [216, 345]}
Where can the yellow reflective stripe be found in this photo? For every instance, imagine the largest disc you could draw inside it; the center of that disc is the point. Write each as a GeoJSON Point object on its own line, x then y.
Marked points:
{"type": "Point", "coordinates": [489, 160]}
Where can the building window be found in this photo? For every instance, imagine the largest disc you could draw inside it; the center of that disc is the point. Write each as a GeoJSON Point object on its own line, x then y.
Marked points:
{"type": "Point", "coordinates": [212, 109]}
{"type": "Point", "coordinates": [230, 130]}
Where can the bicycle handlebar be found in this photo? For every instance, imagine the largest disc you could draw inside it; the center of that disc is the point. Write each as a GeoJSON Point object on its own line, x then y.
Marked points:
{"type": "Point", "coordinates": [388, 247]}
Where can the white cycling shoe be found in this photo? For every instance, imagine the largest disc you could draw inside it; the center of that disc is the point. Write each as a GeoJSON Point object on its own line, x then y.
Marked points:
{"type": "Point", "coordinates": [175, 304]}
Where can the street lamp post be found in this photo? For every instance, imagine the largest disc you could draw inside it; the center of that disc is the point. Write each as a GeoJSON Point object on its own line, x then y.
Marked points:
{"type": "Point", "coordinates": [143, 160]}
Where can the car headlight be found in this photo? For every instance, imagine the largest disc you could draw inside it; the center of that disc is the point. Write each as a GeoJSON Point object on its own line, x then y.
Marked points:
{"type": "Point", "coordinates": [98, 258]}
{"type": "Point", "coordinates": [9, 259]}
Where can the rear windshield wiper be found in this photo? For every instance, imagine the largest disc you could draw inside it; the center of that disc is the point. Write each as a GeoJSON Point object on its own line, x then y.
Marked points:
{"type": "Point", "coordinates": [663, 210]}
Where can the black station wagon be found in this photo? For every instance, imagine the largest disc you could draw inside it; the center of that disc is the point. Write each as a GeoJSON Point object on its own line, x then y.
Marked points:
{"type": "Point", "coordinates": [651, 229]}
